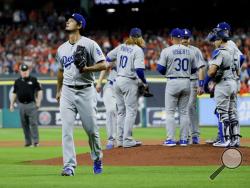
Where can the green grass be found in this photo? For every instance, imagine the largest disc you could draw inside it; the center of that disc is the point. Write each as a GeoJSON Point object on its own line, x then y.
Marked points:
{"type": "Point", "coordinates": [15, 173]}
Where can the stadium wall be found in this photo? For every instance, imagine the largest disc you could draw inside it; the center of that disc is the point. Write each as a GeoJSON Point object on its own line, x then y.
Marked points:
{"type": "Point", "coordinates": [150, 112]}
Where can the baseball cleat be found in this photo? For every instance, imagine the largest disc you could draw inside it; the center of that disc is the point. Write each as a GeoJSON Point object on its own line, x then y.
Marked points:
{"type": "Point", "coordinates": [67, 171]}
{"type": "Point", "coordinates": [97, 167]}
{"type": "Point", "coordinates": [133, 144]}
{"type": "Point", "coordinates": [36, 144]}
{"type": "Point", "coordinates": [169, 143]}
{"type": "Point", "coordinates": [109, 146]}
{"type": "Point", "coordinates": [28, 145]}
{"type": "Point", "coordinates": [222, 144]}
{"type": "Point", "coordinates": [234, 143]}
{"type": "Point", "coordinates": [195, 140]}
{"type": "Point", "coordinates": [183, 142]}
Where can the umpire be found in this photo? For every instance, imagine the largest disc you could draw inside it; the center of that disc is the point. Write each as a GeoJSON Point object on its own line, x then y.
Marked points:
{"type": "Point", "coordinates": [28, 91]}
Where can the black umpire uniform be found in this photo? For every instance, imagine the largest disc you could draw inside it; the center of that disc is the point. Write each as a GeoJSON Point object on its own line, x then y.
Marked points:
{"type": "Point", "coordinates": [28, 92]}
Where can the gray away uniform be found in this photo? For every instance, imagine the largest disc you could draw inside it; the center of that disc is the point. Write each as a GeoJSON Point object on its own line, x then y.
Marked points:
{"type": "Point", "coordinates": [80, 100]}
{"type": "Point", "coordinates": [226, 90]}
{"type": "Point", "coordinates": [178, 60]}
{"type": "Point", "coordinates": [235, 121]}
{"type": "Point", "coordinates": [110, 105]}
{"type": "Point", "coordinates": [128, 58]}
{"type": "Point", "coordinates": [192, 104]}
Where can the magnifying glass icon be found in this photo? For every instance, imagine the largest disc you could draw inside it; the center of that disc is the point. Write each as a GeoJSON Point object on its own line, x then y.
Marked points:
{"type": "Point", "coordinates": [231, 158]}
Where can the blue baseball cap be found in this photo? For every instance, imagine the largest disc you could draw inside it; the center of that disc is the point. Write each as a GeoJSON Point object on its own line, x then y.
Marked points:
{"type": "Point", "coordinates": [135, 32]}
{"type": "Point", "coordinates": [79, 18]}
{"type": "Point", "coordinates": [186, 33]}
{"type": "Point", "coordinates": [224, 26]}
{"type": "Point", "coordinates": [176, 32]}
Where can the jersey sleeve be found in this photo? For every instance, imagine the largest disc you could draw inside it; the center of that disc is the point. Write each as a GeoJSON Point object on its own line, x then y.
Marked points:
{"type": "Point", "coordinates": [139, 59]}
{"type": "Point", "coordinates": [97, 53]}
{"type": "Point", "coordinates": [200, 59]}
{"type": "Point", "coordinates": [216, 58]}
{"type": "Point", "coordinates": [59, 62]}
{"type": "Point", "coordinates": [194, 66]}
{"type": "Point", "coordinates": [15, 87]}
{"type": "Point", "coordinates": [112, 55]}
{"type": "Point", "coordinates": [163, 58]}
{"type": "Point", "coordinates": [37, 85]}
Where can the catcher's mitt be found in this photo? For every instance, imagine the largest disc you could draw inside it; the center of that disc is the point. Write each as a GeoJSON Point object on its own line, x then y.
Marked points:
{"type": "Point", "coordinates": [218, 76]}
{"type": "Point", "coordinates": [144, 91]}
{"type": "Point", "coordinates": [80, 57]}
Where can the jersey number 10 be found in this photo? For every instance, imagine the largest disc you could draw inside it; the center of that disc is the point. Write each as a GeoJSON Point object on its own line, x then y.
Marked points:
{"type": "Point", "coordinates": [123, 61]}
{"type": "Point", "coordinates": [182, 64]}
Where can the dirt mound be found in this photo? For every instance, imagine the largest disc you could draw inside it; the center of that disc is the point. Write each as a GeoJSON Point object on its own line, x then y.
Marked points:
{"type": "Point", "coordinates": [157, 155]}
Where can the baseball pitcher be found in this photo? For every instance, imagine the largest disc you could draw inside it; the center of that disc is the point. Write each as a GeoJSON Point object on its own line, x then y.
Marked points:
{"type": "Point", "coordinates": [78, 58]}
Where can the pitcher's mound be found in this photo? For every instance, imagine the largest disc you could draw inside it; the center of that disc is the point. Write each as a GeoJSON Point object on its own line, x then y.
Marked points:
{"type": "Point", "coordinates": [157, 155]}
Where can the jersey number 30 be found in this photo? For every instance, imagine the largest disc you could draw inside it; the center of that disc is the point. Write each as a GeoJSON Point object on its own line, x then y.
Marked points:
{"type": "Point", "coordinates": [182, 64]}
{"type": "Point", "coordinates": [123, 61]}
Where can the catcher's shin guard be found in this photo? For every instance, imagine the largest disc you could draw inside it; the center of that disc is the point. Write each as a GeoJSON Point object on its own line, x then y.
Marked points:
{"type": "Point", "coordinates": [235, 133]}
{"type": "Point", "coordinates": [226, 124]}
{"type": "Point", "coordinates": [220, 127]}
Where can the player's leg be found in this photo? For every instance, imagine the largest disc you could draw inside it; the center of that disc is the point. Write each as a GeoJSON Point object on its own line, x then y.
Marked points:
{"type": "Point", "coordinates": [222, 98]}
{"type": "Point", "coordinates": [233, 116]}
{"type": "Point", "coordinates": [32, 113]}
{"type": "Point", "coordinates": [110, 105]}
{"type": "Point", "coordinates": [183, 110]}
{"type": "Point", "coordinates": [121, 112]}
{"type": "Point", "coordinates": [220, 135]}
{"type": "Point", "coordinates": [68, 114]}
{"type": "Point", "coordinates": [25, 124]}
{"type": "Point", "coordinates": [130, 90]}
{"type": "Point", "coordinates": [171, 99]}
{"type": "Point", "coordinates": [85, 102]}
{"type": "Point", "coordinates": [192, 112]}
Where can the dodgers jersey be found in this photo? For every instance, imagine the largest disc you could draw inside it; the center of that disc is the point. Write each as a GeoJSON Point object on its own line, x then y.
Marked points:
{"type": "Point", "coordinates": [237, 53]}
{"type": "Point", "coordinates": [178, 60]}
{"type": "Point", "coordinates": [128, 58]}
{"type": "Point", "coordinates": [65, 60]}
{"type": "Point", "coordinates": [199, 60]}
{"type": "Point", "coordinates": [224, 58]}
{"type": "Point", "coordinates": [112, 74]}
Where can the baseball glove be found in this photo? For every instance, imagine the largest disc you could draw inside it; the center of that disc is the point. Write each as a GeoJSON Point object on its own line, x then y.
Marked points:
{"type": "Point", "coordinates": [80, 57]}
{"type": "Point", "coordinates": [144, 91]}
{"type": "Point", "coordinates": [218, 76]}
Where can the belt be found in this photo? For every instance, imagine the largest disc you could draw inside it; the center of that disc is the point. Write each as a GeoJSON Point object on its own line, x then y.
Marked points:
{"type": "Point", "coordinates": [78, 87]}
{"type": "Point", "coordinates": [193, 79]}
{"type": "Point", "coordinates": [171, 78]}
{"type": "Point", "coordinates": [25, 102]}
{"type": "Point", "coordinates": [132, 78]}
{"type": "Point", "coordinates": [225, 79]}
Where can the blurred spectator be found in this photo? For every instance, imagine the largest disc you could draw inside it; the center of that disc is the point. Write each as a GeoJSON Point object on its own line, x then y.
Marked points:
{"type": "Point", "coordinates": [33, 37]}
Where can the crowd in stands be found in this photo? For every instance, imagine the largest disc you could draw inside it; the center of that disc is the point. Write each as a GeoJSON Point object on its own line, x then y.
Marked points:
{"type": "Point", "coordinates": [33, 38]}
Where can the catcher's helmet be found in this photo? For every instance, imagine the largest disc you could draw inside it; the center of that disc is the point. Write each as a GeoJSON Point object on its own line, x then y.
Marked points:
{"type": "Point", "coordinates": [186, 33]}
{"type": "Point", "coordinates": [222, 34]}
{"type": "Point", "coordinates": [224, 26]}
